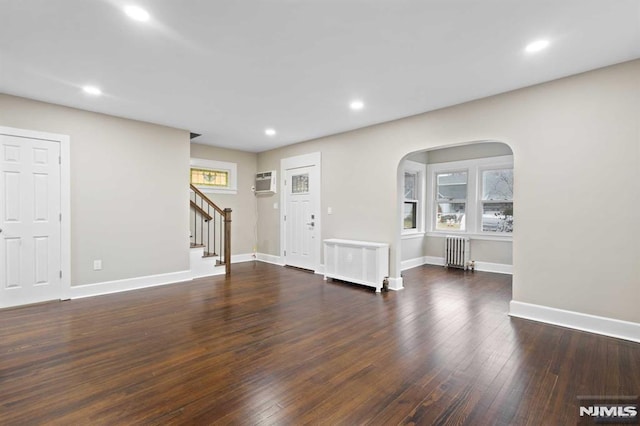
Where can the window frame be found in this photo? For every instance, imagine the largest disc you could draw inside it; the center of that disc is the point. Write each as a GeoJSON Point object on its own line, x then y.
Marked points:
{"type": "Point", "coordinates": [224, 173]}
{"type": "Point", "coordinates": [420, 171]}
{"type": "Point", "coordinates": [474, 203]}
{"type": "Point", "coordinates": [221, 166]}
{"type": "Point", "coordinates": [437, 201]}
{"type": "Point", "coordinates": [481, 201]}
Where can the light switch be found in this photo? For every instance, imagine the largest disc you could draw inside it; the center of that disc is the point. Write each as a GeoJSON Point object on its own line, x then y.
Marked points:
{"type": "Point", "coordinates": [275, 206]}
{"type": "Point", "coordinates": [329, 210]}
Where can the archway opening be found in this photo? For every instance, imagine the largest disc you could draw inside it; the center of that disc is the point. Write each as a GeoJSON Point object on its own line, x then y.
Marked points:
{"type": "Point", "coordinates": [463, 191]}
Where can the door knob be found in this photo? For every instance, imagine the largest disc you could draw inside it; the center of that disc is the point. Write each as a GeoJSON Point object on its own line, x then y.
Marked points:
{"type": "Point", "coordinates": [311, 224]}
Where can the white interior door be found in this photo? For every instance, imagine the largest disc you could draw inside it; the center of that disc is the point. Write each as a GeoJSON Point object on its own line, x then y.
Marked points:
{"type": "Point", "coordinates": [30, 220]}
{"type": "Point", "coordinates": [301, 217]}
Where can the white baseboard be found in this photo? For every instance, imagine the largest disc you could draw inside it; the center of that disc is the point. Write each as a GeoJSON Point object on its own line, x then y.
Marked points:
{"type": "Point", "coordinates": [412, 263]}
{"type": "Point", "coordinates": [498, 268]}
{"type": "Point", "coordinates": [419, 261]}
{"type": "Point", "coordinates": [218, 270]}
{"type": "Point", "coordinates": [268, 258]}
{"type": "Point", "coordinates": [576, 320]}
{"type": "Point", "coordinates": [109, 287]}
{"type": "Point", "coordinates": [277, 260]}
{"type": "Point", "coordinates": [395, 283]}
{"type": "Point", "coordinates": [245, 257]}
{"type": "Point", "coordinates": [433, 260]}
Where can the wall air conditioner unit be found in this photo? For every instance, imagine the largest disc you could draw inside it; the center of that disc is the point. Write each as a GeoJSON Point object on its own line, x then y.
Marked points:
{"type": "Point", "coordinates": [266, 182]}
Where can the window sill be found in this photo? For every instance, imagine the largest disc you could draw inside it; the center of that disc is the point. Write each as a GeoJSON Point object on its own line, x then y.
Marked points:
{"type": "Point", "coordinates": [411, 235]}
{"type": "Point", "coordinates": [485, 237]}
{"type": "Point", "coordinates": [210, 190]}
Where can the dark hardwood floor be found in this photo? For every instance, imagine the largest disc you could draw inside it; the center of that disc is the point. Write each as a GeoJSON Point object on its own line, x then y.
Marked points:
{"type": "Point", "coordinates": [272, 345]}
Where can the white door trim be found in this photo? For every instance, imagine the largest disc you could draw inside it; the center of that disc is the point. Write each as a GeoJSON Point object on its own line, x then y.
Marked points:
{"type": "Point", "coordinates": [312, 159]}
{"type": "Point", "coordinates": [65, 198]}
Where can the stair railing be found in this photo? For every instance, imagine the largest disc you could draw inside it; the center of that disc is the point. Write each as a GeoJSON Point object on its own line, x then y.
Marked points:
{"type": "Point", "coordinates": [210, 228]}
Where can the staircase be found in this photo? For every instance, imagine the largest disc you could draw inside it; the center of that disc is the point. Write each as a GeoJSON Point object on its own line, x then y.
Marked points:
{"type": "Point", "coordinates": [210, 229]}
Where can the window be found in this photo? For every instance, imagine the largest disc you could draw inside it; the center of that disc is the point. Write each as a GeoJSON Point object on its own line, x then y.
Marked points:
{"type": "Point", "coordinates": [208, 177]}
{"type": "Point", "coordinates": [451, 200]}
{"type": "Point", "coordinates": [410, 200]}
{"type": "Point", "coordinates": [413, 186]}
{"type": "Point", "coordinates": [471, 197]}
{"type": "Point", "coordinates": [300, 184]}
{"type": "Point", "coordinates": [497, 200]}
{"type": "Point", "coordinates": [213, 176]}
{"type": "Point", "coordinates": [411, 215]}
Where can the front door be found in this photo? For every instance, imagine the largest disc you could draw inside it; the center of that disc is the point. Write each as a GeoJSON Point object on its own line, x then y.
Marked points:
{"type": "Point", "coordinates": [30, 221]}
{"type": "Point", "coordinates": [301, 218]}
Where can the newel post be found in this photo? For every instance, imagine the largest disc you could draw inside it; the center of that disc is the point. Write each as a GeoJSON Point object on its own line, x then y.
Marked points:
{"type": "Point", "coordinates": [227, 241]}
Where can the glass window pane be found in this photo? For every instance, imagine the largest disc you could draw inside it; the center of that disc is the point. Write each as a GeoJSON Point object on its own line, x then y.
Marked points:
{"type": "Point", "coordinates": [497, 217]}
{"type": "Point", "coordinates": [450, 216]}
{"type": "Point", "coordinates": [410, 180]}
{"type": "Point", "coordinates": [410, 214]}
{"type": "Point", "coordinates": [207, 177]}
{"type": "Point", "coordinates": [452, 186]}
{"type": "Point", "coordinates": [497, 184]}
{"type": "Point", "coordinates": [300, 183]}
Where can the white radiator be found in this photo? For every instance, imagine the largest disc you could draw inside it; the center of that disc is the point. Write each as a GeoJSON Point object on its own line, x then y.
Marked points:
{"type": "Point", "coordinates": [359, 262]}
{"type": "Point", "coordinates": [457, 252]}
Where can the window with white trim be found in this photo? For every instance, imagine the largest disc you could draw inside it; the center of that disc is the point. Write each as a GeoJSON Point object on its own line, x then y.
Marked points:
{"type": "Point", "coordinates": [214, 176]}
{"type": "Point", "coordinates": [413, 185]}
{"type": "Point", "coordinates": [497, 200]}
{"type": "Point", "coordinates": [410, 215]}
{"type": "Point", "coordinates": [471, 197]}
{"type": "Point", "coordinates": [451, 200]}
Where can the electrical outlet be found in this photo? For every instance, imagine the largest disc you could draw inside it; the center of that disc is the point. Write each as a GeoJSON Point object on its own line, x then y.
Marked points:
{"type": "Point", "coordinates": [97, 265]}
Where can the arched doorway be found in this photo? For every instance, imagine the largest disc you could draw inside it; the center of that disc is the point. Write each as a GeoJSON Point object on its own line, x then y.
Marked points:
{"type": "Point", "coordinates": [463, 190]}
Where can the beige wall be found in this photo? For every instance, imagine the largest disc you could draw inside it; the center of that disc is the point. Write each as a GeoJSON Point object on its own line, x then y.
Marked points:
{"type": "Point", "coordinates": [355, 212]}
{"type": "Point", "coordinates": [576, 143]}
{"type": "Point", "coordinates": [243, 204]}
{"type": "Point", "coordinates": [129, 190]}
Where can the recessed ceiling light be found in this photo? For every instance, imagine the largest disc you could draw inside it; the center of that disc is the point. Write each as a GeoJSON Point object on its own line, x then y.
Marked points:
{"type": "Point", "coordinates": [270, 132]}
{"type": "Point", "coordinates": [356, 105]}
{"type": "Point", "coordinates": [136, 13]}
{"type": "Point", "coordinates": [92, 90]}
{"type": "Point", "coordinates": [537, 46]}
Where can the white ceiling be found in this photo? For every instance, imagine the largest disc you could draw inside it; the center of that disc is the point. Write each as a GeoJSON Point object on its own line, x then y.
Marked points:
{"type": "Point", "coordinates": [231, 68]}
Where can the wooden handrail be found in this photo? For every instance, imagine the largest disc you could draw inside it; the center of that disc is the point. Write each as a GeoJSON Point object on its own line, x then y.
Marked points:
{"type": "Point", "coordinates": [206, 199]}
{"type": "Point", "coordinates": [199, 209]}
{"type": "Point", "coordinates": [225, 215]}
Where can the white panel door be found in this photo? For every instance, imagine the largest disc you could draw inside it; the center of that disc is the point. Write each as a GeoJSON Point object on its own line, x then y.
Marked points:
{"type": "Point", "coordinates": [30, 236]}
{"type": "Point", "coordinates": [300, 218]}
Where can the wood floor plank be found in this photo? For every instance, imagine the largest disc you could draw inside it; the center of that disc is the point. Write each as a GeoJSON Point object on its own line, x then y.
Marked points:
{"type": "Point", "coordinates": [278, 346]}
